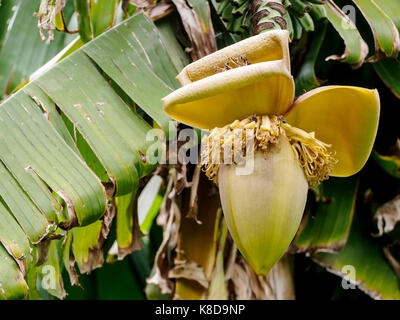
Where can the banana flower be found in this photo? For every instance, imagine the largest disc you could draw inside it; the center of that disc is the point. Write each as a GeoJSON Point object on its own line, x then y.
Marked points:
{"type": "Point", "coordinates": [328, 131]}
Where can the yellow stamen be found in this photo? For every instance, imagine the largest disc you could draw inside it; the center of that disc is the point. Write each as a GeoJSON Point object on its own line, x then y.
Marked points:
{"type": "Point", "coordinates": [313, 155]}
{"type": "Point", "coordinates": [232, 143]}
{"type": "Point", "coordinates": [233, 63]}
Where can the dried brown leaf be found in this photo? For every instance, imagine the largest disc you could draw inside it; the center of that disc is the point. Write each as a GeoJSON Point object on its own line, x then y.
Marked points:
{"type": "Point", "coordinates": [73, 275]}
{"type": "Point", "coordinates": [277, 285]}
{"type": "Point", "coordinates": [188, 270]}
{"type": "Point", "coordinates": [42, 251]}
{"type": "Point", "coordinates": [160, 10]}
{"type": "Point", "coordinates": [48, 10]}
{"type": "Point", "coordinates": [136, 244]}
{"type": "Point", "coordinates": [202, 39]}
{"type": "Point", "coordinates": [241, 281]}
{"type": "Point", "coordinates": [141, 3]}
{"type": "Point", "coordinates": [193, 203]}
{"type": "Point", "coordinates": [96, 256]}
{"type": "Point", "coordinates": [387, 216]}
{"type": "Point", "coordinates": [169, 219]}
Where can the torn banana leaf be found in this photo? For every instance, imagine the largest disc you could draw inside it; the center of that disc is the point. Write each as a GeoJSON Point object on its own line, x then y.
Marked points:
{"type": "Point", "coordinates": [356, 48]}
{"type": "Point", "coordinates": [386, 35]}
{"type": "Point", "coordinates": [69, 85]}
{"type": "Point", "coordinates": [50, 273]}
{"type": "Point", "coordinates": [128, 230]}
{"type": "Point", "coordinates": [362, 262]}
{"type": "Point", "coordinates": [13, 238]}
{"type": "Point", "coordinates": [49, 109]}
{"type": "Point", "coordinates": [29, 217]}
{"type": "Point", "coordinates": [34, 153]}
{"type": "Point", "coordinates": [47, 121]}
{"type": "Point", "coordinates": [86, 246]}
{"type": "Point", "coordinates": [90, 110]}
{"type": "Point", "coordinates": [22, 50]}
{"type": "Point", "coordinates": [69, 259]}
{"type": "Point", "coordinates": [12, 283]}
{"type": "Point", "coordinates": [326, 227]}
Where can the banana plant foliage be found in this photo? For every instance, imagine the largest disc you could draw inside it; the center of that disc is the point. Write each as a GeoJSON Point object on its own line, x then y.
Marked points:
{"type": "Point", "coordinates": [98, 95]}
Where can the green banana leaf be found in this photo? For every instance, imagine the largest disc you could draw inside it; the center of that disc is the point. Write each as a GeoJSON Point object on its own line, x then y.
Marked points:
{"type": "Point", "coordinates": [356, 48]}
{"type": "Point", "coordinates": [392, 9]}
{"type": "Point", "coordinates": [386, 35]}
{"type": "Point", "coordinates": [362, 263]}
{"type": "Point", "coordinates": [22, 51]}
{"type": "Point", "coordinates": [326, 225]}
{"type": "Point", "coordinates": [306, 78]}
{"type": "Point", "coordinates": [94, 17]}
{"type": "Point", "coordinates": [149, 203]}
{"type": "Point", "coordinates": [44, 165]}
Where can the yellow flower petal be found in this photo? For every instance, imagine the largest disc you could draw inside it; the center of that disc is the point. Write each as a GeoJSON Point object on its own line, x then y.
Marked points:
{"type": "Point", "coordinates": [345, 117]}
{"type": "Point", "coordinates": [268, 46]}
{"type": "Point", "coordinates": [263, 89]}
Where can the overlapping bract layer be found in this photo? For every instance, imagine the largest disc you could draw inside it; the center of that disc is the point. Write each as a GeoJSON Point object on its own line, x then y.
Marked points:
{"type": "Point", "coordinates": [330, 131]}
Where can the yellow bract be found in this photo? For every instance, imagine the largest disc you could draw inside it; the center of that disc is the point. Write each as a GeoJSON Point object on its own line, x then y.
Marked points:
{"type": "Point", "coordinates": [270, 46]}
{"type": "Point", "coordinates": [262, 88]}
{"type": "Point", "coordinates": [345, 117]}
